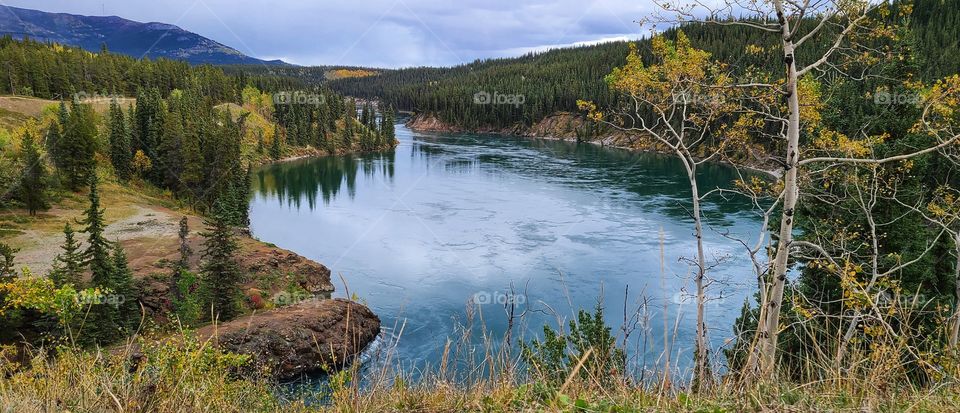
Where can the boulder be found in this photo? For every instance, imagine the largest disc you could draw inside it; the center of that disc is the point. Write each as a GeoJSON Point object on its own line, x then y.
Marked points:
{"type": "Point", "coordinates": [288, 342]}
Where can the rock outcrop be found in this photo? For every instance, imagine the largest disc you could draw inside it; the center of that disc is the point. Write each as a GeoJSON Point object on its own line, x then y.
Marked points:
{"type": "Point", "coordinates": [260, 259]}
{"type": "Point", "coordinates": [561, 125]}
{"type": "Point", "coordinates": [299, 339]}
{"type": "Point", "coordinates": [429, 122]}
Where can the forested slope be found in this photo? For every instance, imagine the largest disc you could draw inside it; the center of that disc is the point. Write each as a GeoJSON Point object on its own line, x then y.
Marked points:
{"type": "Point", "coordinates": [553, 81]}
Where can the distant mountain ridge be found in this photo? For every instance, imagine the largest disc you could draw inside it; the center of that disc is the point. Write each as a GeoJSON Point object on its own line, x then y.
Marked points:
{"type": "Point", "coordinates": [152, 40]}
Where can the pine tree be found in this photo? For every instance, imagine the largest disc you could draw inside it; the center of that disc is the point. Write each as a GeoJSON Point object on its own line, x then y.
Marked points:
{"type": "Point", "coordinates": [33, 184]}
{"type": "Point", "coordinates": [237, 198]}
{"type": "Point", "coordinates": [321, 138]}
{"type": "Point", "coordinates": [7, 254]}
{"type": "Point", "coordinates": [185, 250]}
{"type": "Point", "coordinates": [97, 254]}
{"type": "Point", "coordinates": [77, 146]}
{"type": "Point", "coordinates": [183, 264]}
{"type": "Point", "coordinates": [365, 116]}
{"type": "Point", "coordinates": [193, 162]}
{"type": "Point", "coordinates": [170, 147]}
{"type": "Point", "coordinates": [68, 266]}
{"type": "Point", "coordinates": [55, 141]}
{"type": "Point", "coordinates": [275, 148]}
{"type": "Point", "coordinates": [121, 155]}
{"type": "Point", "coordinates": [389, 126]}
{"type": "Point", "coordinates": [293, 132]}
{"type": "Point", "coordinates": [157, 156]}
{"type": "Point", "coordinates": [124, 296]}
{"type": "Point", "coordinates": [221, 274]}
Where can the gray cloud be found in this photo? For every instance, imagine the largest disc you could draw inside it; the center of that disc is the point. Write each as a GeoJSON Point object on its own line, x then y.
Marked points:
{"type": "Point", "coordinates": [384, 33]}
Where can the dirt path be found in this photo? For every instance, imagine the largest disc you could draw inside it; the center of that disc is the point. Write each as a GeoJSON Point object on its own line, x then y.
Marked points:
{"type": "Point", "coordinates": [155, 226]}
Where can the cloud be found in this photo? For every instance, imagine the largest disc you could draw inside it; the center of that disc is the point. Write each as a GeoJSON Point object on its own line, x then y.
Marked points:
{"type": "Point", "coordinates": [384, 33]}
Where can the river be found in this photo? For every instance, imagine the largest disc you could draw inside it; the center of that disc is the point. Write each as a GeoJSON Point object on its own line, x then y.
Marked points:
{"type": "Point", "coordinates": [435, 235]}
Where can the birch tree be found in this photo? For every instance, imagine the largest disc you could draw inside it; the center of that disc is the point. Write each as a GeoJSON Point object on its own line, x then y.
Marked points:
{"type": "Point", "coordinates": [816, 39]}
{"type": "Point", "coordinates": [680, 104]}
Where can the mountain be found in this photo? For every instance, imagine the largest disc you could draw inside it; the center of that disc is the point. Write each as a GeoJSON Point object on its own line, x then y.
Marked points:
{"type": "Point", "coordinates": [152, 40]}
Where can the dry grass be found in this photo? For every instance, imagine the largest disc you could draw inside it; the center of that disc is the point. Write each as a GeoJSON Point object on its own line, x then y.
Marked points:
{"type": "Point", "coordinates": [180, 376]}
{"type": "Point", "coordinates": [186, 375]}
{"type": "Point", "coordinates": [34, 107]}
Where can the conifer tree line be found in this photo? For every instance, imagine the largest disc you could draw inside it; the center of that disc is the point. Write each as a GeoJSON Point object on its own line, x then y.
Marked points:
{"type": "Point", "coordinates": [53, 71]}
{"type": "Point", "coordinates": [550, 82]}
{"type": "Point", "coordinates": [553, 81]}
{"type": "Point", "coordinates": [182, 144]}
{"type": "Point", "coordinates": [328, 121]}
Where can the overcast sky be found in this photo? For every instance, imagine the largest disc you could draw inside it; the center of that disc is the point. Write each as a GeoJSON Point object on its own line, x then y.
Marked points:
{"type": "Point", "coordinates": [381, 33]}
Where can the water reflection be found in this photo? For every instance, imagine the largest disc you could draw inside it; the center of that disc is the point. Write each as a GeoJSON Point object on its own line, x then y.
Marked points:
{"type": "Point", "coordinates": [294, 182]}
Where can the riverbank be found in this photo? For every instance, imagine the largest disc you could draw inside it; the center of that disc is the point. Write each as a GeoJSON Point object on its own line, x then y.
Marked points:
{"type": "Point", "coordinates": [563, 126]}
{"type": "Point", "coordinates": [145, 222]}
{"type": "Point", "coordinates": [278, 285]}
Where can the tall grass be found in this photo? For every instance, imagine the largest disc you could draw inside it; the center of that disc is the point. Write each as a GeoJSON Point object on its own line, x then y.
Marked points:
{"type": "Point", "coordinates": [183, 374]}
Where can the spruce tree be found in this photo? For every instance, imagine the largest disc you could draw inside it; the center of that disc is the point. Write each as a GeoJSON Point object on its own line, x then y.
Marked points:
{"type": "Point", "coordinates": [77, 146]}
{"type": "Point", "coordinates": [183, 264]}
{"type": "Point", "coordinates": [293, 132]}
{"type": "Point", "coordinates": [97, 254]}
{"type": "Point", "coordinates": [54, 143]}
{"type": "Point", "coordinates": [124, 297]}
{"type": "Point", "coordinates": [245, 181]}
{"type": "Point", "coordinates": [389, 126]}
{"type": "Point", "coordinates": [275, 148]}
{"type": "Point", "coordinates": [33, 183]}
{"type": "Point", "coordinates": [170, 148]}
{"type": "Point", "coordinates": [105, 320]}
{"type": "Point", "coordinates": [68, 266]}
{"type": "Point", "coordinates": [121, 155]}
{"type": "Point", "coordinates": [7, 254]}
{"type": "Point", "coordinates": [221, 274]}
{"type": "Point", "coordinates": [185, 250]}
{"type": "Point", "coordinates": [193, 162]}
{"type": "Point", "coordinates": [365, 116]}
{"type": "Point", "coordinates": [321, 129]}
{"type": "Point", "coordinates": [63, 115]}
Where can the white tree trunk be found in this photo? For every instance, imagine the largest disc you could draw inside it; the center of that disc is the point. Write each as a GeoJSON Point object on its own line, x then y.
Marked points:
{"type": "Point", "coordinates": [769, 323]}
{"type": "Point", "coordinates": [955, 326]}
{"type": "Point", "coordinates": [702, 352]}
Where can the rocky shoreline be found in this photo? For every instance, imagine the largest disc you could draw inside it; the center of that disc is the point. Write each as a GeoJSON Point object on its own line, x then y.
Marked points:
{"type": "Point", "coordinates": [311, 336]}
{"type": "Point", "coordinates": [563, 126]}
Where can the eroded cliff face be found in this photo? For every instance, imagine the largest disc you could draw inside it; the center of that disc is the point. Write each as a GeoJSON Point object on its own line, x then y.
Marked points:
{"type": "Point", "coordinates": [428, 122]}
{"type": "Point", "coordinates": [561, 126]}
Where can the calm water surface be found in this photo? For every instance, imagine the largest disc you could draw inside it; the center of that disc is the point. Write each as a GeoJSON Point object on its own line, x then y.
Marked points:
{"type": "Point", "coordinates": [447, 219]}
